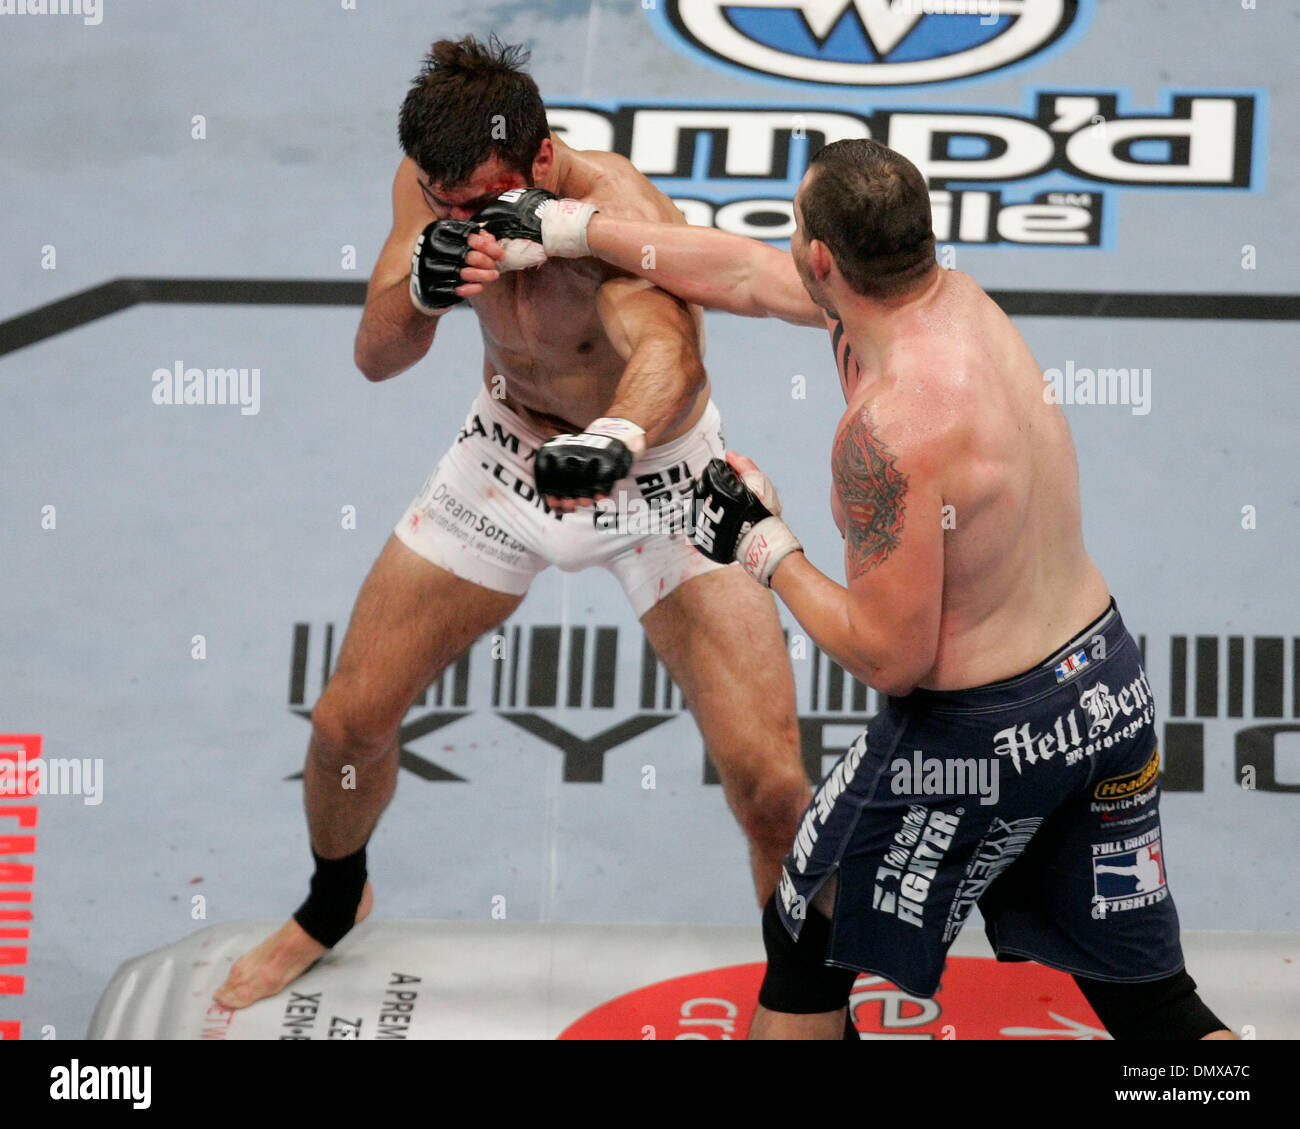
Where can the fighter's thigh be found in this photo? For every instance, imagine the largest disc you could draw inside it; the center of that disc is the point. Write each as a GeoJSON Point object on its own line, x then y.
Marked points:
{"type": "Point", "coordinates": [720, 638]}
{"type": "Point", "coordinates": [411, 619]}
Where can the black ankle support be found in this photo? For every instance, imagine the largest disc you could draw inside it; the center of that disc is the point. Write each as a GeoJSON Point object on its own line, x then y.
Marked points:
{"type": "Point", "coordinates": [1153, 1009]}
{"type": "Point", "coordinates": [331, 908]}
{"type": "Point", "coordinates": [797, 980]}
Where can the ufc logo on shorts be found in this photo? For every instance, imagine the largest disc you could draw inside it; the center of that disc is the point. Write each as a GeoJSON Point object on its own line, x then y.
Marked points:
{"type": "Point", "coordinates": [704, 531]}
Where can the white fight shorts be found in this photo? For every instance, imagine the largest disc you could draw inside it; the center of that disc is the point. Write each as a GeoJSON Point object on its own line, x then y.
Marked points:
{"type": "Point", "coordinates": [480, 516]}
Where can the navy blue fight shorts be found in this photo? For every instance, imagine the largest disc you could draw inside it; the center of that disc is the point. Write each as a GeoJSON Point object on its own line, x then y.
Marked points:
{"type": "Point", "coordinates": [1036, 798]}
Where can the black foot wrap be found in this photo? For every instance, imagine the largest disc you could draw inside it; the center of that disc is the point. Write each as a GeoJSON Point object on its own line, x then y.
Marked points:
{"type": "Point", "coordinates": [331, 908]}
{"type": "Point", "coordinates": [798, 982]}
{"type": "Point", "coordinates": [1156, 1009]}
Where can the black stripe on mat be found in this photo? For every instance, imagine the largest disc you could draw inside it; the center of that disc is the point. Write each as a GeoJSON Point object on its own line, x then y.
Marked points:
{"type": "Point", "coordinates": [123, 293]}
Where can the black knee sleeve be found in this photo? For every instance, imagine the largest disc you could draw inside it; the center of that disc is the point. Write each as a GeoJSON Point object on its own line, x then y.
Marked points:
{"type": "Point", "coordinates": [331, 908]}
{"type": "Point", "coordinates": [1156, 1009]}
{"type": "Point", "coordinates": [798, 981]}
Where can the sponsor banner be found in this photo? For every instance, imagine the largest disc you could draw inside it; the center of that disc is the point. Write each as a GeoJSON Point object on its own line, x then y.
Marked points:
{"type": "Point", "coordinates": [978, 999]}
{"type": "Point", "coordinates": [1045, 174]}
{"type": "Point", "coordinates": [394, 981]}
{"type": "Point", "coordinates": [870, 43]}
{"type": "Point", "coordinates": [18, 822]}
{"type": "Point", "coordinates": [533, 675]}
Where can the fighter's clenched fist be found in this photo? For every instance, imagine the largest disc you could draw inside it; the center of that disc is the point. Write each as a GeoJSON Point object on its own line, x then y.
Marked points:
{"type": "Point", "coordinates": [436, 264]}
{"type": "Point", "coordinates": [533, 225]}
{"type": "Point", "coordinates": [588, 465]}
{"type": "Point", "coordinates": [738, 519]}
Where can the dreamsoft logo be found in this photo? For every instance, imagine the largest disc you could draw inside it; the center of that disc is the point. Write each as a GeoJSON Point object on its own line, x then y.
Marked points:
{"type": "Point", "coordinates": [871, 42]}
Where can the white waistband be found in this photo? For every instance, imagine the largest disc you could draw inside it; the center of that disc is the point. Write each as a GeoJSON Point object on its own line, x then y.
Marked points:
{"type": "Point", "coordinates": [665, 454]}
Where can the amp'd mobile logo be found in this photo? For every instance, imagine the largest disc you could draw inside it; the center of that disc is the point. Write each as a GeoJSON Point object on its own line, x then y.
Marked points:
{"type": "Point", "coordinates": [1043, 176]}
{"type": "Point", "coordinates": [871, 42]}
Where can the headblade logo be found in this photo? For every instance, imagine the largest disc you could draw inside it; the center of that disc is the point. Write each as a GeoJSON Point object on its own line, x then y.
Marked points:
{"type": "Point", "coordinates": [1130, 783]}
{"type": "Point", "coordinates": [872, 42]}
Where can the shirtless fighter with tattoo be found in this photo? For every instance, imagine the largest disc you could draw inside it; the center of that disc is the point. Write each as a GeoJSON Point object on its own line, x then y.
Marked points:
{"type": "Point", "coordinates": [971, 601]}
{"type": "Point", "coordinates": [592, 387]}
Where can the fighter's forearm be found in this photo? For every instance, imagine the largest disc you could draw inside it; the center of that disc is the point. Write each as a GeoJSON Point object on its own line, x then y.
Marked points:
{"type": "Point", "coordinates": [824, 610]}
{"type": "Point", "coordinates": [702, 265]}
{"type": "Point", "coordinates": [393, 334]}
{"type": "Point", "coordinates": [660, 385]}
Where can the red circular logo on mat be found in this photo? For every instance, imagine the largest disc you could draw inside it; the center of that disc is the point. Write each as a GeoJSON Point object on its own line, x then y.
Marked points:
{"type": "Point", "coordinates": [979, 998]}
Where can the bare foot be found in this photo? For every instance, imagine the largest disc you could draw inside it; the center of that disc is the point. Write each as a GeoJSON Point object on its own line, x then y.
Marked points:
{"type": "Point", "coordinates": [278, 961]}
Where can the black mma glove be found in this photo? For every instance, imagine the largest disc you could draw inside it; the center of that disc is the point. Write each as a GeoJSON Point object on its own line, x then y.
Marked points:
{"type": "Point", "coordinates": [582, 466]}
{"type": "Point", "coordinates": [739, 520]}
{"type": "Point", "coordinates": [534, 225]}
{"type": "Point", "coordinates": [436, 265]}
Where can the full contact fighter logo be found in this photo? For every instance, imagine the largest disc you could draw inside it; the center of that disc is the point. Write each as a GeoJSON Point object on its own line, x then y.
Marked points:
{"type": "Point", "coordinates": [872, 42]}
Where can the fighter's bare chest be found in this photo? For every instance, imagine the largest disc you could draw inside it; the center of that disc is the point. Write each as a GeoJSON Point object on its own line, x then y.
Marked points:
{"type": "Point", "coordinates": [547, 312]}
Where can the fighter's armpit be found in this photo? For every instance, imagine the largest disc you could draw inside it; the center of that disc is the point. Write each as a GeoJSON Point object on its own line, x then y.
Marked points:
{"type": "Point", "coordinates": [872, 491]}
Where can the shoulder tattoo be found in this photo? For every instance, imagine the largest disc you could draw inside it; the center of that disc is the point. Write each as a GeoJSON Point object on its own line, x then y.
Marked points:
{"type": "Point", "coordinates": [872, 491]}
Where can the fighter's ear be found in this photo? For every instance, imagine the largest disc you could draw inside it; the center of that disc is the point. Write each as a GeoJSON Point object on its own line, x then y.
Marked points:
{"type": "Point", "coordinates": [820, 260]}
{"type": "Point", "coordinates": [543, 161]}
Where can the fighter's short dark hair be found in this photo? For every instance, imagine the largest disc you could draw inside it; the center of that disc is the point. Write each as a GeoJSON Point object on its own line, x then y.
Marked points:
{"type": "Point", "coordinates": [471, 101]}
{"type": "Point", "coordinates": [871, 207]}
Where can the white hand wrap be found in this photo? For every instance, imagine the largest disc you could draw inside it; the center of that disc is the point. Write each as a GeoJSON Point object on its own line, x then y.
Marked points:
{"type": "Point", "coordinates": [766, 545]}
{"type": "Point", "coordinates": [624, 430]}
{"type": "Point", "coordinates": [521, 254]}
{"type": "Point", "coordinates": [564, 228]}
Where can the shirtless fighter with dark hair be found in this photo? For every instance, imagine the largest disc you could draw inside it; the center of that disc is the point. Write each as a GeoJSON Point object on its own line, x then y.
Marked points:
{"type": "Point", "coordinates": [971, 602]}
{"type": "Point", "coordinates": [592, 387]}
